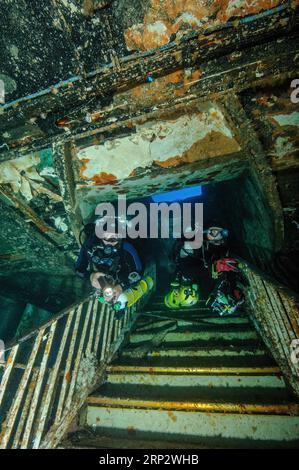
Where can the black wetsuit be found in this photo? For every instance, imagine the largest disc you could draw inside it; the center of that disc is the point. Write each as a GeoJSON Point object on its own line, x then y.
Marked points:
{"type": "Point", "coordinates": [94, 256]}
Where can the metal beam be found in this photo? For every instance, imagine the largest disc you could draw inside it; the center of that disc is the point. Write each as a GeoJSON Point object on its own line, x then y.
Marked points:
{"type": "Point", "coordinates": [208, 407]}
{"type": "Point", "coordinates": [257, 159]}
{"type": "Point", "coordinates": [195, 49]}
{"type": "Point", "coordinates": [63, 164]}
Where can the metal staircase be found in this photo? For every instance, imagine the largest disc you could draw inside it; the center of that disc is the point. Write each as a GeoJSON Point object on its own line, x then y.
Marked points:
{"type": "Point", "coordinates": [190, 378]}
{"type": "Point", "coordinates": [156, 378]}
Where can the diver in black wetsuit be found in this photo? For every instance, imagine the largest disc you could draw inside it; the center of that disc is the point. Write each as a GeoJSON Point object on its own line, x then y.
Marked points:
{"type": "Point", "coordinates": [109, 261]}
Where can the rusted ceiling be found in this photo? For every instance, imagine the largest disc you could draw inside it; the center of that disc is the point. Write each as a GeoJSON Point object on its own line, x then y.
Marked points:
{"type": "Point", "coordinates": [141, 106]}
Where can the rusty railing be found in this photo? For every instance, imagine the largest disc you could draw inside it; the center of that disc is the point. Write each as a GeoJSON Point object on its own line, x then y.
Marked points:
{"type": "Point", "coordinates": [275, 313]}
{"type": "Point", "coordinates": [48, 374]}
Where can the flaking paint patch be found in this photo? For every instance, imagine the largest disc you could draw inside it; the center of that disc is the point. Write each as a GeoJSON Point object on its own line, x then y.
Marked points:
{"type": "Point", "coordinates": [187, 14]}
{"type": "Point", "coordinates": [282, 147]}
{"type": "Point", "coordinates": [18, 173]}
{"type": "Point", "coordinates": [182, 140]}
{"type": "Point", "coordinates": [291, 119]}
{"type": "Point", "coordinates": [152, 182]}
{"type": "Point", "coordinates": [173, 15]}
{"type": "Point", "coordinates": [174, 84]}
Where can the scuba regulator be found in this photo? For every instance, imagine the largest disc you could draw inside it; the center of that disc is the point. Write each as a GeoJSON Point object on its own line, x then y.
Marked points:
{"type": "Point", "coordinates": [104, 256]}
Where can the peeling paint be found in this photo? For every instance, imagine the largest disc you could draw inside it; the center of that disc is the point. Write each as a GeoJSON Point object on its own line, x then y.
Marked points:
{"type": "Point", "coordinates": [167, 17]}
{"type": "Point", "coordinates": [167, 143]}
{"type": "Point", "coordinates": [150, 183]}
{"type": "Point", "coordinates": [14, 172]}
{"type": "Point", "coordinates": [291, 119]}
{"type": "Point", "coordinates": [282, 147]}
{"type": "Point", "coordinates": [232, 8]}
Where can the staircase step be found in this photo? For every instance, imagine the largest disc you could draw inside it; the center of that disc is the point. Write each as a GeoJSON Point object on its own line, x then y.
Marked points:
{"type": "Point", "coordinates": [93, 439]}
{"type": "Point", "coordinates": [196, 353]}
{"type": "Point", "coordinates": [211, 385]}
{"type": "Point", "coordinates": [201, 344]}
{"type": "Point", "coordinates": [189, 312]}
{"type": "Point", "coordinates": [182, 335]}
{"type": "Point", "coordinates": [154, 323]}
{"type": "Point", "coordinates": [185, 327]}
{"type": "Point", "coordinates": [230, 426]}
{"type": "Point", "coordinates": [215, 383]}
{"type": "Point", "coordinates": [142, 358]}
{"type": "Point", "coordinates": [208, 356]}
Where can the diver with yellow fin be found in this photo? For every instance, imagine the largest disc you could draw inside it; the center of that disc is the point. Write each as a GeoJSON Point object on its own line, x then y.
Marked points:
{"type": "Point", "coordinates": [184, 291]}
{"type": "Point", "coordinates": [113, 266]}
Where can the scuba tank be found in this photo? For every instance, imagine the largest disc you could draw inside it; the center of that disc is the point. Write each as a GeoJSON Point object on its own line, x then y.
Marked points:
{"type": "Point", "coordinates": [131, 295]}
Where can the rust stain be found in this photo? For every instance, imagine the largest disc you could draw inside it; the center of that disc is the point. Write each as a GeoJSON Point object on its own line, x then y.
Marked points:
{"type": "Point", "coordinates": [173, 84]}
{"type": "Point", "coordinates": [212, 145]}
{"type": "Point", "coordinates": [133, 173]}
{"type": "Point", "coordinates": [167, 17]}
{"type": "Point", "coordinates": [176, 77]}
{"type": "Point", "coordinates": [172, 416]}
{"type": "Point", "coordinates": [163, 19]}
{"type": "Point", "coordinates": [83, 167]}
{"type": "Point", "coordinates": [136, 91]}
{"type": "Point", "coordinates": [104, 178]}
{"type": "Point", "coordinates": [131, 430]}
{"type": "Point", "coordinates": [170, 162]}
{"type": "Point", "coordinates": [68, 376]}
{"type": "Point", "coordinates": [62, 122]}
{"type": "Point", "coordinates": [228, 9]}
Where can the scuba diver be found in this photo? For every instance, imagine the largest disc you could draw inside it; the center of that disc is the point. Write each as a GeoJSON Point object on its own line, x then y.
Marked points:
{"type": "Point", "coordinates": [111, 263]}
{"type": "Point", "coordinates": [227, 294]}
{"type": "Point", "coordinates": [215, 244]}
{"type": "Point", "coordinates": [184, 288]}
{"type": "Point", "coordinates": [202, 266]}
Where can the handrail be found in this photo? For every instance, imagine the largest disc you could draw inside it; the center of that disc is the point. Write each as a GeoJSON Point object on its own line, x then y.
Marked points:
{"type": "Point", "coordinates": [64, 360]}
{"type": "Point", "coordinates": [266, 276]}
{"type": "Point", "coordinates": [275, 313]}
{"type": "Point", "coordinates": [35, 331]}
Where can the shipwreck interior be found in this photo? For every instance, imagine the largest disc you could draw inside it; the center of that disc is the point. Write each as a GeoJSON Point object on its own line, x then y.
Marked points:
{"type": "Point", "coordinates": [154, 101]}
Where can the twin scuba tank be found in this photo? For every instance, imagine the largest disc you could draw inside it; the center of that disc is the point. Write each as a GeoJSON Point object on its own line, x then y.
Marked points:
{"type": "Point", "coordinates": [131, 295]}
